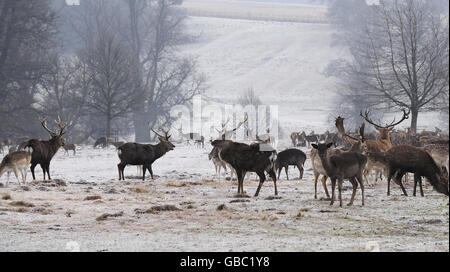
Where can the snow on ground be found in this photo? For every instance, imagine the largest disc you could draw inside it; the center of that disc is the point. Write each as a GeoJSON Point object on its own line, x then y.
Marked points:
{"type": "Point", "coordinates": [281, 61]}
{"type": "Point", "coordinates": [61, 217]}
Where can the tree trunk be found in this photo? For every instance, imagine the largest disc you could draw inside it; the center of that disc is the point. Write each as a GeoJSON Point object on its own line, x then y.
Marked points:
{"type": "Point", "coordinates": [141, 127]}
{"type": "Point", "coordinates": [414, 115]}
{"type": "Point", "coordinates": [108, 126]}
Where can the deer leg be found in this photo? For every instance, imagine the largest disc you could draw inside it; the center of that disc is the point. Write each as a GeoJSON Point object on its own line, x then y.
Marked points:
{"type": "Point", "coordinates": [287, 171]}
{"type": "Point", "coordinates": [144, 167]}
{"type": "Point", "coordinates": [239, 177]}
{"type": "Point", "coordinates": [361, 183]}
{"type": "Point", "coordinates": [389, 182]}
{"type": "Point", "coordinates": [333, 185]}
{"type": "Point", "coordinates": [262, 177]}
{"type": "Point", "coordinates": [279, 172]}
{"type": "Point", "coordinates": [17, 176]}
{"type": "Point", "coordinates": [33, 165]}
{"type": "Point", "coordinates": [316, 177]}
{"type": "Point", "coordinates": [324, 184]}
{"type": "Point", "coordinates": [150, 170]}
{"type": "Point", "coordinates": [418, 179]}
{"type": "Point", "coordinates": [415, 184]}
{"type": "Point", "coordinates": [47, 167]}
{"type": "Point", "coordinates": [274, 178]}
{"type": "Point", "coordinates": [340, 182]}
{"type": "Point", "coordinates": [355, 186]}
{"type": "Point", "coordinates": [398, 180]}
{"type": "Point", "coordinates": [300, 168]}
{"type": "Point", "coordinates": [43, 170]}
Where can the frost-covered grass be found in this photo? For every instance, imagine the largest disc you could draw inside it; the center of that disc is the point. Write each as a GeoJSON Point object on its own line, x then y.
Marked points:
{"type": "Point", "coordinates": [100, 213]}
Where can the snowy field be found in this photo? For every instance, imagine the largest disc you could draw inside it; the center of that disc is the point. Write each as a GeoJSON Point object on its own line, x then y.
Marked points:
{"type": "Point", "coordinates": [56, 216]}
{"type": "Point", "coordinates": [254, 10]}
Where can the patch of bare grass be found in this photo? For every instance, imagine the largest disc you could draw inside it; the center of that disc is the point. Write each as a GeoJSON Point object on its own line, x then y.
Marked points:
{"type": "Point", "coordinates": [93, 197]}
{"type": "Point", "coordinates": [158, 209]}
{"type": "Point", "coordinates": [21, 204]}
{"type": "Point", "coordinates": [6, 196]}
{"type": "Point", "coordinates": [139, 190]}
{"type": "Point", "coordinates": [107, 215]}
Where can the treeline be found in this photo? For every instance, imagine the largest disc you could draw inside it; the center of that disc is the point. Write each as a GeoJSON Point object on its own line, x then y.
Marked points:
{"type": "Point", "coordinates": [399, 52]}
{"type": "Point", "coordinates": [103, 66]}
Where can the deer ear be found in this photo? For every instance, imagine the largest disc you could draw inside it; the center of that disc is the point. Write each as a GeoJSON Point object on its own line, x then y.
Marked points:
{"type": "Point", "coordinates": [314, 146]}
{"type": "Point", "coordinates": [329, 145]}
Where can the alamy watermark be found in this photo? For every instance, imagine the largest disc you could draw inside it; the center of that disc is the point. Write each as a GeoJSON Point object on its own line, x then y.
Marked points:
{"type": "Point", "coordinates": [227, 121]}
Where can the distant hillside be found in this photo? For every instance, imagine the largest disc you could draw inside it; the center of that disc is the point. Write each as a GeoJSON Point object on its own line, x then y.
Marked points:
{"type": "Point", "coordinates": [287, 11]}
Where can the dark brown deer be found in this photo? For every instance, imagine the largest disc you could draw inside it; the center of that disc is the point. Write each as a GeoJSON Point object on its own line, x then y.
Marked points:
{"type": "Point", "coordinates": [402, 159]}
{"type": "Point", "coordinates": [290, 157]}
{"type": "Point", "coordinates": [346, 165]}
{"type": "Point", "coordinates": [43, 151]}
{"type": "Point", "coordinates": [143, 154]}
{"type": "Point", "coordinates": [248, 158]}
{"type": "Point", "coordinates": [102, 141]}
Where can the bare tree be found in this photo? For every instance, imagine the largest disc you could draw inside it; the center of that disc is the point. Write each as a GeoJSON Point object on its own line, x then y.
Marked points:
{"type": "Point", "coordinates": [401, 56]}
{"type": "Point", "coordinates": [109, 67]}
{"type": "Point", "coordinates": [163, 78]}
{"type": "Point", "coordinates": [27, 29]}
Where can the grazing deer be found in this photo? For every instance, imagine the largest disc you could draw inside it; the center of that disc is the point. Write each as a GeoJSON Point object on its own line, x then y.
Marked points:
{"type": "Point", "coordinates": [248, 158]}
{"type": "Point", "coordinates": [68, 147]}
{"type": "Point", "coordinates": [346, 165]}
{"type": "Point", "coordinates": [102, 141]}
{"type": "Point", "coordinates": [143, 154]}
{"type": "Point", "coordinates": [19, 160]}
{"type": "Point", "coordinates": [290, 157]}
{"type": "Point", "coordinates": [401, 159]}
{"type": "Point", "coordinates": [43, 151]}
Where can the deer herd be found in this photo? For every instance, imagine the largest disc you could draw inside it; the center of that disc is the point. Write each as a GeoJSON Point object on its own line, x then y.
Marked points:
{"type": "Point", "coordinates": [338, 156]}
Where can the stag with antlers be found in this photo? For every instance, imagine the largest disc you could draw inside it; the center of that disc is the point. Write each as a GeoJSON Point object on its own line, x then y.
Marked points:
{"type": "Point", "coordinates": [143, 154]}
{"type": "Point", "coordinates": [383, 141]}
{"type": "Point", "coordinates": [227, 134]}
{"type": "Point", "coordinates": [43, 151]}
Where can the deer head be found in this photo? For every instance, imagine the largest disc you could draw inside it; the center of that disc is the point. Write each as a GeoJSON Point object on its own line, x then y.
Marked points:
{"type": "Point", "coordinates": [383, 131]}
{"type": "Point", "coordinates": [55, 136]}
{"type": "Point", "coordinates": [163, 139]}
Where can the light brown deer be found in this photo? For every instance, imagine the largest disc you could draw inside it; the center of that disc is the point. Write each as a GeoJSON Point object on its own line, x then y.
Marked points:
{"type": "Point", "coordinates": [16, 161]}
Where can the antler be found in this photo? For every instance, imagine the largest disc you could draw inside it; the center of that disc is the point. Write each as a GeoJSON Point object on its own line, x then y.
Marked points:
{"type": "Point", "coordinates": [226, 123]}
{"type": "Point", "coordinates": [42, 120]}
{"type": "Point", "coordinates": [392, 124]}
{"type": "Point", "coordinates": [166, 132]}
{"type": "Point", "coordinates": [151, 128]}
{"type": "Point", "coordinates": [404, 117]}
{"type": "Point", "coordinates": [241, 123]}
{"type": "Point", "coordinates": [61, 127]}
